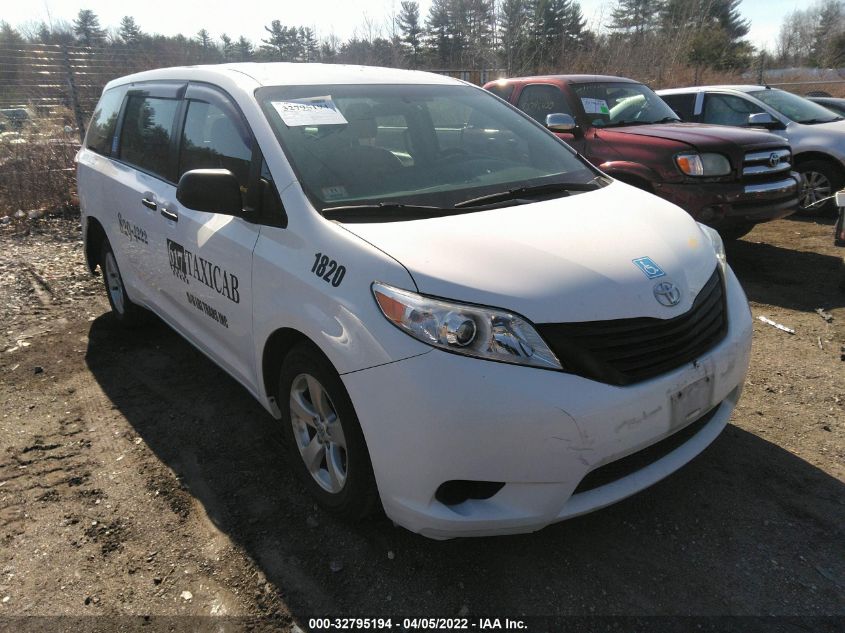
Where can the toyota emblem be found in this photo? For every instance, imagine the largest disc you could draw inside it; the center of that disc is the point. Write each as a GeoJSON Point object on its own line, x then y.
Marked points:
{"type": "Point", "coordinates": [667, 294]}
{"type": "Point", "coordinates": [774, 159]}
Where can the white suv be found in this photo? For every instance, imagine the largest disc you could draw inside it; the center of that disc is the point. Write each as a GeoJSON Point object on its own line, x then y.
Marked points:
{"type": "Point", "coordinates": [816, 134]}
{"type": "Point", "coordinates": [449, 311]}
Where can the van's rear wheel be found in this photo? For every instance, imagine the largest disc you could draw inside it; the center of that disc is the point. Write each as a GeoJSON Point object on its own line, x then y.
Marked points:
{"type": "Point", "coordinates": [126, 312]}
{"type": "Point", "coordinates": [325, 442]}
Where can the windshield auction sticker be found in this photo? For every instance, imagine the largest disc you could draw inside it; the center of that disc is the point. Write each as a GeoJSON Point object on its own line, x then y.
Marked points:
{"type": "Point", "coordinates": [595, 106]}
{"type": "Point", "coordinates": [310, 111]}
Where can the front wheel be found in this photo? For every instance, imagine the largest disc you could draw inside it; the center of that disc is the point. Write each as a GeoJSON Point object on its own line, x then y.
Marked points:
{"type": "Point", "coordinates": [819, 180]}
{"type": "Point", "coordinates": [325, 441]}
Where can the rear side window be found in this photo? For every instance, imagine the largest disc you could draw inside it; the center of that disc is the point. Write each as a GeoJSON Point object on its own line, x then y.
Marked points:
{"type": "Point", "coordinates": [145, 136]}
{"type": "Point", "coordinates": [214, 139]}
{"type": "Point", "coordinates": [724, 109]}
{"type": "Point", "coordinates": [503, 90]}
{"type": "Point", "coordinates": [541, 100]}
{"type": "Point", "coordinates": [100, 134]}
{"type": "Point", "coordinates": [683, 105]}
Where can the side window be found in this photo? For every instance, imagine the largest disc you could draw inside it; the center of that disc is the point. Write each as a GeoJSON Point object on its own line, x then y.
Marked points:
{"type": "Point", "coordinates": [215, 139]}
{"type": "Point", "coordinates": [145, 136]}
{"type": "Point", "coordinates": [683, 105]}
{"type": "Point", "coordinates": [101, 129]}
{"type": "Point", "coordinates": [728, 110]}
{"type": "Point", "coordinates": [502, 90]}
{"type": "Point", "coordinates": [541, 100]}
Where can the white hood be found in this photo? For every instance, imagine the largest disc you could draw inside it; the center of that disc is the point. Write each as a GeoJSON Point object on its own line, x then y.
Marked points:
{"type": "Point", "coordinates": [562, 260]}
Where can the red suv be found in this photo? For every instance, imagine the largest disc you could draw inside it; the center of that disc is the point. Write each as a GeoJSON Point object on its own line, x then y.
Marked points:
{"type": "Point", "coordinates": [729, 178]}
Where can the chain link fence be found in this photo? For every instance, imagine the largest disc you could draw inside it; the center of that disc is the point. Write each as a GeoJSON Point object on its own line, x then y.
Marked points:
{"type": "Point", "coordinates": [49, 91]}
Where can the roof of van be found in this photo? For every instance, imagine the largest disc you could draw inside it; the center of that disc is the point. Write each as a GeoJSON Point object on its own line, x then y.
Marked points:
{"type": "Point", "coordinates": [290, 74]}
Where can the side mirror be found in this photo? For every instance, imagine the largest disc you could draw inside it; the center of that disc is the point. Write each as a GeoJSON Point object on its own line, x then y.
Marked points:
{"type": "Point", "coordinates": [561, 123]}
{"type": "Point", "coordinates": [212, 190]}
{"type": "Point", "coordinates": [764, 119]}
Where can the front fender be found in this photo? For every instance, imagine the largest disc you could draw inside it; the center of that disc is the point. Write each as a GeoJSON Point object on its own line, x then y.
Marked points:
{"type": "Point", "coordinates": [619, 169]}
{"type": "Point", "coordinates": [342, 320]}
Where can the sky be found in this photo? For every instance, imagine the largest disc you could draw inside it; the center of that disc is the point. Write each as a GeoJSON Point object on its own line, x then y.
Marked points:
{"type": "Point", "coordinates": [344, 19]}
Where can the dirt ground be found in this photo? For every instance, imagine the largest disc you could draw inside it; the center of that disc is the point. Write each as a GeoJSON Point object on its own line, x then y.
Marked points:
{"type": "Point", "coordinates": [136, 478]}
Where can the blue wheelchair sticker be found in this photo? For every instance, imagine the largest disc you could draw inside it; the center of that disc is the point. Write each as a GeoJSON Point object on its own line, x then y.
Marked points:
{"type": "Point", "coordinates": [649, 268]}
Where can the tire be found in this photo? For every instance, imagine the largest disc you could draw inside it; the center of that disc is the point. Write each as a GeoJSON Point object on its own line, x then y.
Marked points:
{"type": "Point", "coordinates": [819, 179]}
{"type": "Point", "coordinates": [125, 312]}
{"type": "Point", "coordinates": [736, 231]}
{"type": "Point", "coordinates": [325, 442]}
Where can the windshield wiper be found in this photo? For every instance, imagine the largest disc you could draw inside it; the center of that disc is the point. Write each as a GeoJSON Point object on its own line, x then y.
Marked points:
{"type": "Point", "coordinates": [624, 124]}
{"type": "Point", "coordinates": [527, 192]}
{"type": "Point", "coordinates": [815, 121]}
{"type": "Point", "coordinates": [667, 119]}
{"type": "Point", "coordinates": [364, 212]}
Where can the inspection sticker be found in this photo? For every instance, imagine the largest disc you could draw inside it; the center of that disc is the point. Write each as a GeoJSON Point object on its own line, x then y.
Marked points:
{"type": "Point", "coordinates": [595, 106]}
{"type": "Point", "coordinates": [309, 111]}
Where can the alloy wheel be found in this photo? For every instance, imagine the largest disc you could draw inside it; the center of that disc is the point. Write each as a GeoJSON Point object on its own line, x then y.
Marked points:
{"type": "Point", "coordinates": [318, 433]}
{"type": "Point", "coordinates": [815, 186]}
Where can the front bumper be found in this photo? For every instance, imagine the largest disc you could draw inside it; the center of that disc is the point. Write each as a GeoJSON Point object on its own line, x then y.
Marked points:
{"type": "Point", "coordinates": [442, 417]}
{"type": "Point", "coordinates": [722, 205]}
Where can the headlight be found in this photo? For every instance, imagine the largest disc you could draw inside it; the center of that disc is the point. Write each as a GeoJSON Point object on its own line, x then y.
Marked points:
{"type": "Point", "coordinates": [703, 164]}
{"type": "Point", "coordinates": [465, 329]}
{"type": "Point", "coordinates": [718, 245]}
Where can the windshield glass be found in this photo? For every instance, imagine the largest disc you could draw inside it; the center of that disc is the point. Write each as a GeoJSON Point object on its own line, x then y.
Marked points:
{"type": "Point", "coordinates": [431, 145]}
{"type": "Point", "coordinates": [793, 107]}
{"type": "Point", "coordinates": [622, 103]}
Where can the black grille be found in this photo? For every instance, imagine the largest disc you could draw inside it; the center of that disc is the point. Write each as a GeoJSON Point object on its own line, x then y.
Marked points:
{"type": "Point", "coordinates": [626, 351]}
{"type": "Point", "coordinates": [620, 468]}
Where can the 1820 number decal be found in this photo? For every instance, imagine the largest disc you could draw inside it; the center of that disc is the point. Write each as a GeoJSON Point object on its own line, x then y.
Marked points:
{"type": "Point", "coordinates": [328, 269]}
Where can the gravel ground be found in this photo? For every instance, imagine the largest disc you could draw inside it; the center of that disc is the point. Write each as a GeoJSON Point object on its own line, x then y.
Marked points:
{"type": "Point", "coordinates": [136, 478]}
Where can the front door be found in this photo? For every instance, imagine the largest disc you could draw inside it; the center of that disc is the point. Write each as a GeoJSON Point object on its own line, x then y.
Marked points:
{"type": "Point", "coordinates": [210, 254]}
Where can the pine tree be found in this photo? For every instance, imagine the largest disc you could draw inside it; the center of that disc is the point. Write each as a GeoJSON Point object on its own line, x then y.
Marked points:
{"type": "Point", "coordinates": [227, 47]}
{"type": "Point", "coordinates": [513, 19]}
{"type": "Point", "coordinates": [574, 26]}
{"type": "Point", "coordinates": [636, 17]}
{"type": "Point", "coordinates": [478, 18]}
{"type": "Point", "coordinates": [244, 51]}
{"type": "Point", "coordinates": [329, 49]}
{"type": "Point", "coordinates": [408, 22]}
{"type": "Point", "coordinates": [276, 45]}
{"type": "Point", "coordinates": [129, 32]}
{"type": "Point", "coordinates": [438, 34]}
{"type": "Point", "coordinates": [87, 28]}
{"type": "Point", "coordinates": [9, 37]}
{"type": "Point", "coordinates": [711, 31]}
{"type": "Point", "coordinates": [204, 39]}
{"type": "Point", "coordinates": [310, 48]}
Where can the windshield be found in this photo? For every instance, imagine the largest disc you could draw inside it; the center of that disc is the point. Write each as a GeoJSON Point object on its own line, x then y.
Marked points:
{"type": "Point", "coordinates": [796, 108]}
{"type": "Point", "coordinates": [620, 103]}
{"type": "Point", "coordinates": [414, 145]}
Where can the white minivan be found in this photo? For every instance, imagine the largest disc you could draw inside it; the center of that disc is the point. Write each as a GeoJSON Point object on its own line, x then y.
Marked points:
{"type": "Point", "coordinates": [452, 314]}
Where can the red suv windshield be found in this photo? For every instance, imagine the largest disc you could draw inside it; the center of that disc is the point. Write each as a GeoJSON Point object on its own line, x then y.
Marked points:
{"type": "Point", "coordinates": [613, 104]}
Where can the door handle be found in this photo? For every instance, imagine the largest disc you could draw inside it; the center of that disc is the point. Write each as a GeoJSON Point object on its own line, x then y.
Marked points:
{"type": "Point", "coordinates": [170, 215]}
{"type": "Point", "coordinates": [150, 204]}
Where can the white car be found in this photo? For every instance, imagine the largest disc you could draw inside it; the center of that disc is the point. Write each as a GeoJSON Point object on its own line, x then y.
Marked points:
{"type": "Point", "coordinates": [449, 311]}
{"type": "Point", "coordinates": [816, 134]}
